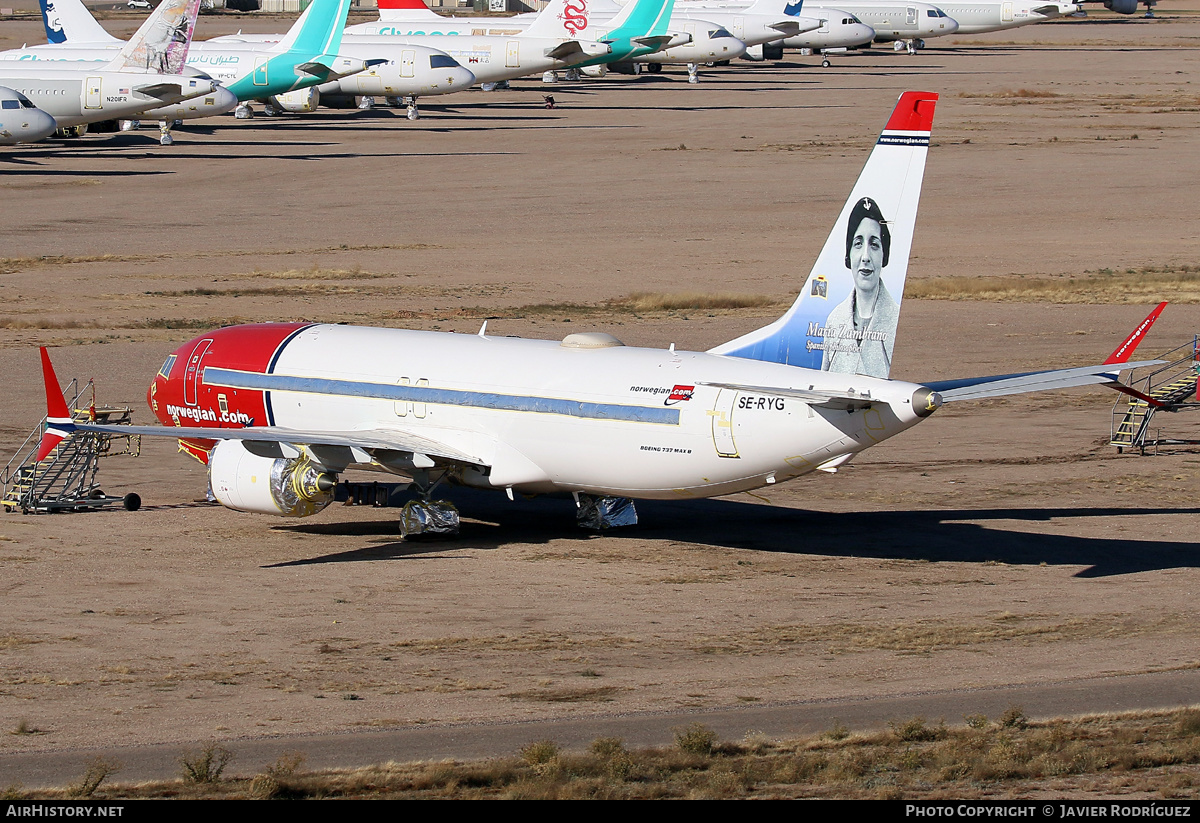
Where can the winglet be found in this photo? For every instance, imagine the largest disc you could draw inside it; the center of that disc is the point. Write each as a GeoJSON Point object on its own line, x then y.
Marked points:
{"type": "Point", "coordinates": [1124, 351]}
{"type": "Point", "coordinates": [59, 425]}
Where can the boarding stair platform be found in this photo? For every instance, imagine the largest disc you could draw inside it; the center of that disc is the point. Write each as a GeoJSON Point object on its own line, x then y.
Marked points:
{"type": "Point", "coordinates": [65, 479]}
{"type": "Point", "coordinates": [1172, 384]}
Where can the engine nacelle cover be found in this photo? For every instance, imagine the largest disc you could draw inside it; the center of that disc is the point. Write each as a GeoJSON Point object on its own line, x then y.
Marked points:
{"type": "Point", "coordinates": [288, 487]}
{"type": "Point", "coordinates": [594, 71]}
{"type": "Point", "coordinates": [300, 101]}
{"type": "Point", "coordinates": [1122, 6]}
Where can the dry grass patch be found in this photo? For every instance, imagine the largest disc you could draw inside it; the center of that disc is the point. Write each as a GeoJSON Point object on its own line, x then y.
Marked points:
{"type": "Point", "coordinates": [1179, 284]}
{"type": "Point", "coordinates": [1097, 757]}
{"type": "Point", "coordinates": [1012, 94]}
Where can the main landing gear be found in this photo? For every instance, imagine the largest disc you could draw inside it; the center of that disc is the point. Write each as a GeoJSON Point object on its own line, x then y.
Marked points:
{"type": "Point", "coordinates": [598, 513]}
{"type": "Point", "coordinates": [426, 515]}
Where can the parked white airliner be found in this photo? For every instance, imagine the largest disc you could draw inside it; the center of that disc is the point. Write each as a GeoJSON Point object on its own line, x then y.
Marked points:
{"type": "Point", "coordinates": [278, 410]}
{"type": "Point", "coordinates": [21, 121]}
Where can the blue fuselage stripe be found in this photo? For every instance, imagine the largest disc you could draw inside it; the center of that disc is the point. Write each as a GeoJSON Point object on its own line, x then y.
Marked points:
{"type": "Point", "coordinates": [445, 397]}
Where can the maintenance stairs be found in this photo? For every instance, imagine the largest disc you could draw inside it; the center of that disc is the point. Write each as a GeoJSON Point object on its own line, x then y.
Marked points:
{"type": "Point", "coordinates": [66, 478]}
{"type": "Point", "coordinates": [1173, 384]}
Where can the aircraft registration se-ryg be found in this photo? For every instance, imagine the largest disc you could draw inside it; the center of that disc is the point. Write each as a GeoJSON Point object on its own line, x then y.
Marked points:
{"type": "Point", "coordinates": [277, 411]}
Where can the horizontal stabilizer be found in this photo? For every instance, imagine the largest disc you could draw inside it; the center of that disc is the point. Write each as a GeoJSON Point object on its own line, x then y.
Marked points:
{"type": "Point", "coordinates": [844, 400]}
{"type": "Point", "coordinates": [977, 388]}
{"type": "Point", "coordinates": [160, 91]}
{"type": "Point", "coordinates": [314, 68]}
{"type": "Point", "coordinates": [656, 42]}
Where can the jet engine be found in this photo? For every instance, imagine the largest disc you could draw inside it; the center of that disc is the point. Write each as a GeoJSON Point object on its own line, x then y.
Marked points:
{"type": "Point", "coordinates": [249, 482]}
{"type": "Point", "coordinates": [1122, 6]}
{"type": "Point", "coordinates": [300, 101]}
{"type": "Point", "coordinates": [764, 51]}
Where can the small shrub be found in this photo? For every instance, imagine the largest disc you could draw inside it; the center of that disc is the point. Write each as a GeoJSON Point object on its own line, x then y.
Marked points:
{"type": "Point", "coordinates": [979, 722]}
{"type": "Point", "coordinates": [205, 765]}
{"type": "Point", "coordinates": [915, 730]}
{"type": "Point", "coordinates": [1014, 718]}
{"type": "Point", "coordinates": [97, 772]}
{"type": "Point", "coordinates": [1189, 723]}
{"type": "Point", "coordinates": [23, 727]}
{"type": "Point", "coordinates": [540, 752]}
{"type": "Point", "coordinates": [839, 731]}
{"type": "Point", "coordinates": [607, 748]}
{"type": "Point", "coordinates": [12, 792]}
{"type": "Point", "coordinates": [695, 738]}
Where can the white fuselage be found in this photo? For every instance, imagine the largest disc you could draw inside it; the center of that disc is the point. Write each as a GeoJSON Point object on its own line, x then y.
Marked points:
{"type": "Point", "coordinates": [977, 18]}
{"type": "Point", "coordinates": [73, 96]}
{"type": "Point", "coordinates": [709, 43]}
{"type": "Point", "coordinates": [488, 58]}
{"type": "Point", "coordinates": [545, 417]}
{"type": "Point", "coordinates": [21, 121]}
{"type": "Point", "coordinates": [839, 29]}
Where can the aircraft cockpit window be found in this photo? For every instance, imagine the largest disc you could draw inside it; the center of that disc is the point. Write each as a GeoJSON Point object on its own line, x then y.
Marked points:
{"type": "Point", "coordinates": [442, 61]}
{"type": "Point", "coordinates": [719, 33]}
{"type": "Point", "coordinates": [10, 104]}
{"type": "Point", "coordinates": [26, 103]}
{"type": "Point", "coordinates": [165, 371]}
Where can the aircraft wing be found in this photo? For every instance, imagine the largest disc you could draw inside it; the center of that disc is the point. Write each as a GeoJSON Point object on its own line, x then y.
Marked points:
{"type": "Point", "coordinates": [845, 401]}
{"type": "Point", "coordinates": [395, 440]}
{"type": "Point", "coordinates": [977, 388]}
{"type": "Point", "coordinates": [1052, 8]}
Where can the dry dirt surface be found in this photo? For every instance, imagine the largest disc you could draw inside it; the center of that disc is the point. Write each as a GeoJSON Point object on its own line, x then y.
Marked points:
{"type": "Point", "coordinates": [998, 543]}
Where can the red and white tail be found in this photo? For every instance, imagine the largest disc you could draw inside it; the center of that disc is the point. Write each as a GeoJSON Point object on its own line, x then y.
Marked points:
{"type": "Point", "coordinates": [406, 10]}
{"type": "Point", "coordinates": [59, 425]}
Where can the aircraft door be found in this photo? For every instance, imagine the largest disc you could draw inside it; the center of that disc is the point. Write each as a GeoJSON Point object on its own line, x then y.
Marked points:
{"type": "Point", "coordinates": [910, 17]}
{"type": "Point", "coordinates": [512, 55]}
{"type": "Point", "coordinates": [408, 62]}
{"type": "Point", "coordinates": [260, 70]}
{"type": "Point", "coordinates": [403, 406]}
{"type": "Point", "coordinates": [722, 423]}
{"type": "Point", "coordinates": [1006, 12]}
{"type": "Point", "coordinates": [191, 378]}
{"type": "Point", "coordinates": [92, 93]}
{"type": "Point", "coordinates": [824, 26]}
{"type": "Point", "coordinates": [369, 82]}
{"type": "Point", "coordinates": [739, 27]}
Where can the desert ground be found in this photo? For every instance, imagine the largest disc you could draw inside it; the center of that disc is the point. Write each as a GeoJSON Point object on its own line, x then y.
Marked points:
{"type": "Point", "coordinates": [999, 543]}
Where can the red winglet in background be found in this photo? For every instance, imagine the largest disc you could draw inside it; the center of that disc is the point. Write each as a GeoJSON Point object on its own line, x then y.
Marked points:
{"type": "Point", "coordinates": [1124, 351]}
{"type": "Point", "coordinates": [58, 417]}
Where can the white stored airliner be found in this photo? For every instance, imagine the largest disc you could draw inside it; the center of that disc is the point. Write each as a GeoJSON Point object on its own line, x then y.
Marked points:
{"type": "Point", "coordinates": [980, 17]}
{"type": "Point", "coordinates": [21, 121]}
{"type": "Point", "coordinates": [278, 410]}
{"type": "Point", "coordinates": [140, 75]}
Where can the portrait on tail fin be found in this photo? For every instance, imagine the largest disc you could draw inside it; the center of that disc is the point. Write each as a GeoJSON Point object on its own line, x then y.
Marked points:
{"type": "Point", "coordinates": [860, 332]}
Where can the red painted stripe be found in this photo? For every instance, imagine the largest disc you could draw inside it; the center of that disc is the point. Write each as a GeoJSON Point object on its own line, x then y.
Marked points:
{"type": "Point", "coordinates": [402, 4]}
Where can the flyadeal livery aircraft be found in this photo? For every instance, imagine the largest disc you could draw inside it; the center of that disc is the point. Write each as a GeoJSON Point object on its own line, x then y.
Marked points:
{"type": "Point", "coordinates": [278, 410]}
{"type": "Point", "coordinates": [306, 56]}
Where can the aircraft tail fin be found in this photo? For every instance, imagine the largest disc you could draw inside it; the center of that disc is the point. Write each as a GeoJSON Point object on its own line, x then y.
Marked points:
{"type": "Point", "coordinates": [161, 44]}
{"type": "Point", "coordinates": [69, 21]}
{"type": "Point", "coordinates": [782, 7]}
{"type": "Point", "coordinates": [641, 18]}
{"type": "Point", "coordinates": [406, 10]}
{"type": "Point", "coordinates": [845, 317]}
{"type": "Point", "coordinates": [319, 29]}
{"type": "Point", "coordinates": [59, 425]}
{"type": "Point", "coordinates": [562, 18]}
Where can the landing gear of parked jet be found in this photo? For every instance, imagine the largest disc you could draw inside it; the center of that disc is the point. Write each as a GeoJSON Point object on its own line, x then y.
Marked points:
{"type": "Point", "coordinates": [413, 112]}
{"type": "Point", "coordinates": [693, 72]}
{"type": "Point", "coordinates": [243, 112]}
{"type": "Point", "coordinates": [598, 513]}
{"type": "Point", "coordinates": [426, 515]}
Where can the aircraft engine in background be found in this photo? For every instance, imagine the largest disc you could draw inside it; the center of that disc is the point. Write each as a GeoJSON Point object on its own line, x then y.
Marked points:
{"type": "Point", "coordinates": [1122, 6]}
{"type": "Point", "coordinates": [300, 101]}
{"type": "Point", "coordinates": [249, 482]}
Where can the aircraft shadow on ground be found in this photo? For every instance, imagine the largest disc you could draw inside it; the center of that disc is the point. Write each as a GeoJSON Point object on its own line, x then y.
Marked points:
{"type": "Point", "coordinates": [491, 521]}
